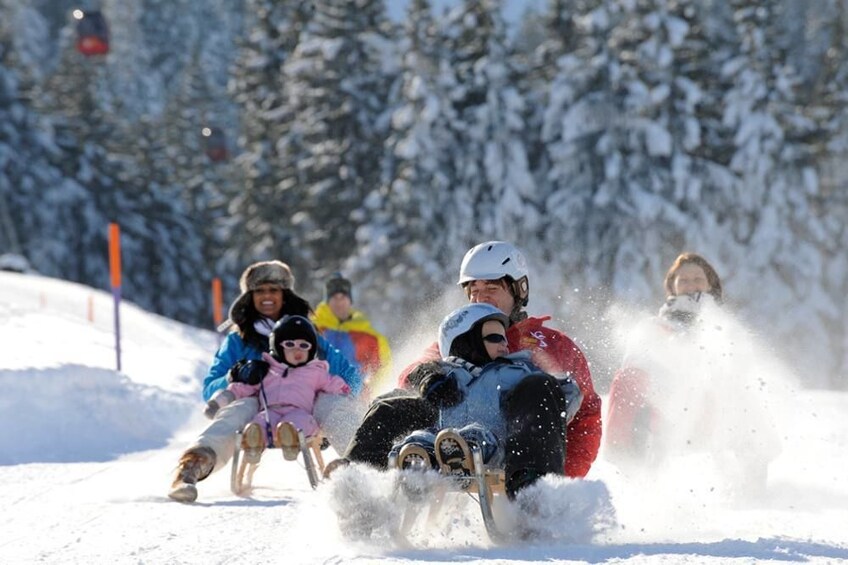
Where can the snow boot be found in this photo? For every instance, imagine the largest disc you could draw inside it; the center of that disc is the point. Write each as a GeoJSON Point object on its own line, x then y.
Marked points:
{"type": "Point", "coordinates": [195, 465]}
{"type": "Point", "coordinates": [453, 454]}
{"type": "Point", "coordinates": [287, 440]}
{"type": "Point", "coordinates": [416, 451]}
{"type": "Point", "coordinates": [252, 443]}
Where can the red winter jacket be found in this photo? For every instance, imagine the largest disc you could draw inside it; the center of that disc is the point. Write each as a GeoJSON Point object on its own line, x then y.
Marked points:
{"type": "Point", "coordinates": [553, 352]}
{"type": "Point", "coordinates": [629, 411]}
{"type": "Point", "coordinates": [627, 400]}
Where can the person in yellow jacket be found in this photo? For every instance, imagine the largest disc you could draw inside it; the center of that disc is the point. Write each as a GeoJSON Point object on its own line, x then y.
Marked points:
{"type": "Point", "coordinates": [350, 331]}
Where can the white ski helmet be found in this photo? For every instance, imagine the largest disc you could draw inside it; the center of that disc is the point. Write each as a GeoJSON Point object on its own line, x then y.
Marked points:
{"type": "Point", "coordinates": [462, 319]}
{"type": "Point", "coordinates": [494, 260]}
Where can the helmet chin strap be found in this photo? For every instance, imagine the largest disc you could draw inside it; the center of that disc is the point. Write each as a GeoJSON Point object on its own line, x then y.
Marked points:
{"type": "Point", "coordinates": [521, 291]}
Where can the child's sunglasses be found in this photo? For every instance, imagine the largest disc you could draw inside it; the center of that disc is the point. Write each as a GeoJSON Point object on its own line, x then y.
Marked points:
{"type": "Point", "coordinates": [297, 344]}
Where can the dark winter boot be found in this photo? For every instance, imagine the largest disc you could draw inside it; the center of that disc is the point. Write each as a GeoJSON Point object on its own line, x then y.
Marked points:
{"type": "Point", "coordinates": [416, 451]}
{"type": "Point", "coordinates": [195, 465]}
{"type": "Point", "coordinates": [454, 454]}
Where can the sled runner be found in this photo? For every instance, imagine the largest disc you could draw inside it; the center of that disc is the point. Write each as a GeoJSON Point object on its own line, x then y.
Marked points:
{"type": "Point", "coordinates": [291, 442]}
{"type": "Point", "coordinates": [472, 478]}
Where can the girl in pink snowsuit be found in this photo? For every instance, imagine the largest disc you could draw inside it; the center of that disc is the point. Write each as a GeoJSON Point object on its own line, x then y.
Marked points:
{"type": "Point", "coordinates": [294, 378]}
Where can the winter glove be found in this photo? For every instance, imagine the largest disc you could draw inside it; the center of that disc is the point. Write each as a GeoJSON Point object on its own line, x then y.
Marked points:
{"type": "Point", "coordinates": [421, 372]}
{"type": "Point", "coordinates": [249, 372]}
{"type": "Point", "coordinates": [683, 308]}
{"type": "Point", "coordinates": [218, 401]}
{"type": "Point", "coordinates": [437, 385]}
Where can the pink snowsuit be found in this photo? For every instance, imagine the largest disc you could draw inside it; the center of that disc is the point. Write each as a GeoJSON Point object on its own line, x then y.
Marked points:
{"type": "Point", "coordinates": [290, 392]}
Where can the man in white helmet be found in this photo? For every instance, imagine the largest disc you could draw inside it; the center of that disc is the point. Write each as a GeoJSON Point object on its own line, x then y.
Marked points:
{"type": "Point", "coordinates": [496, 273]}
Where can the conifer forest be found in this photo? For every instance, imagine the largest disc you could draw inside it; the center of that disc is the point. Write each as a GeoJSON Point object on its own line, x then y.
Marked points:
{"type": "Point", "coordinates": [602, 137]}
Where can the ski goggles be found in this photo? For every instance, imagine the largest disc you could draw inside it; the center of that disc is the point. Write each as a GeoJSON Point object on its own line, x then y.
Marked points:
{"type": "Point", "coordinates": [494, 338]}
{"type": "Point", "coordinates": [296, 344]}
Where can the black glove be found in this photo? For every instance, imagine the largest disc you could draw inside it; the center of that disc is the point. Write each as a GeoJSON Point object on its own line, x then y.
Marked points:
{"type": "Point", "coordinates": [437, 385]}
{"type": "Point", "coordinates": [249, 372]}
{"type": "Point", "coordinates": [422, 372]}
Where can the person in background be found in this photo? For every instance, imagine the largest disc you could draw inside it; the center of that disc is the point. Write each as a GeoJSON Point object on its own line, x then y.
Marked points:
{"type": "Point", "coordinates": [689, 283]}
{"type": "Point", "coordinates": [493, 273]}
{"type": "Point", "coordinates": [267, 294]}
{"type": "Point", "coordinates": [350, 331]}
{"type": "Point", "coordinates": [684, 385]}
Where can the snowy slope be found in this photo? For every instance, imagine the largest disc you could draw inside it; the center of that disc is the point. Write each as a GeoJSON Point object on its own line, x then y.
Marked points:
{"type": "Point", "coordinates": [86, 455]}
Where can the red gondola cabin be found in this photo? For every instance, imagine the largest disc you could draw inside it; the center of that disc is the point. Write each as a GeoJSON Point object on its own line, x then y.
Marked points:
{"type": "Point", "coordinates": [214, 143]}
{"type": "Point", "coordinates": [92, 33]}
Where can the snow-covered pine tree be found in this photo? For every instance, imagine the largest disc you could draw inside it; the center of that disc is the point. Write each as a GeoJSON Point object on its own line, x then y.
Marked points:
{"type": "Point", "coordinates": [572, 85]}
{"type": "Point", "coordinates": [80, 129]}
{"type": "Point", "coordinates": [826, 100]}
{"type": "Point", "coordinates": [119, 165]}
{"type": "Point", "coordinates": [162, 249]}
{"type": "Point", "coordinates": [169, 33]}
{"type": "Point", "coordinates": [335, 87]}
{"type": "Point", "coordinates": [27, 179]}
{"type": "Point", "coordinates": [612, 144]}
{"type": "Point", "coordinates": [130, 84]}
{"type": "Point", "coordinates": [205, 187]}
{"type": "Point", "coordinates": [559, 36]}
{"type": "Point", "coordinates": [30, 50]}
{"type": "Point", "coordinates": [773, 238]}
{"type": "Point", "coordinates": [495, 194]}
{"type": "Point", "coordinates": [625, 153]}
{"type": "Point", "coordinates": [261, 227]}
{"type": "Point", "coordinates": [405, 241]}
{"type": "Point", "coordinates": [832, 202]}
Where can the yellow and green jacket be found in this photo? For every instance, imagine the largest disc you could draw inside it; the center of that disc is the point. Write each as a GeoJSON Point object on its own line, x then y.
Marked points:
{"type": "Point", "coordinates": [359, 342]}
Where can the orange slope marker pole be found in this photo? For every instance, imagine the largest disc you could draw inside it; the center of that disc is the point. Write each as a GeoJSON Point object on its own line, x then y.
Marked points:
{"type": "Point", "coordinates": [217, 302]}
{"type": "Point", "coordinates": [115, 272]}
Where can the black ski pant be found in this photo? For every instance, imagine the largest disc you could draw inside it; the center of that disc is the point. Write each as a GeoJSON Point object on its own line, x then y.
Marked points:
{"type": "Point", "coordinates": [390, 418]}
{"type": "Point", "coordinates": [536, 427]}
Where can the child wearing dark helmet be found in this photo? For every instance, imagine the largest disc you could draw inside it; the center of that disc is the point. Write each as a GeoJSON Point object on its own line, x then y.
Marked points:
{"type": "Point", "coordinates": [286, 381]}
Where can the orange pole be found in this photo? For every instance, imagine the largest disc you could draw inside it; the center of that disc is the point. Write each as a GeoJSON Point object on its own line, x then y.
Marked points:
{"type": "Point", "coordinates": [115, 270]}
{"type": "Point", "coordinates": [115, 254]}
{"type": "Point", "coordinates": [217, 302]}
{"type": "Point", "coordinates": [91, 308]}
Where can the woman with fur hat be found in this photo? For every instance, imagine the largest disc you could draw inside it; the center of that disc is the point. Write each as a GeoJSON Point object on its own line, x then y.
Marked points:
{"type": "Point", "coordinates": [267, 294]}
